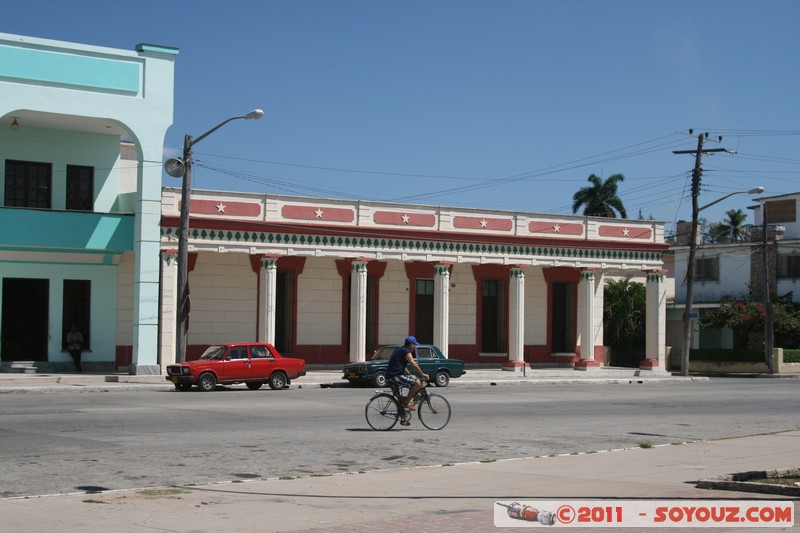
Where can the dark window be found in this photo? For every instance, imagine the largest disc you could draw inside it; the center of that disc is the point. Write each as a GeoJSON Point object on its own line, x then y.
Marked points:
{"type": "Point", "coordinates": [425, 286]}
{"type": "Point", "coordinates": [562, 322]}
{"type": "Point", "coordinates": [492, 316]}
{"type": "Point", "coordinates": [789, 266]}
{"type": "Point", "coordinates": [706, 269]}
{"type": "Point", "coordinates": [259, 352]}
{"type": "Point", "coordinates": [423, 310]}
{"type": "Point", "coordinates": [28, 184]}
{"type": "Point", "coordinates": [77, 310]}
{"type": "Point", "coordinates": [423, 353]}
{"type": "Point", "coordinates": [80, 188]}
{"type": "Point", "coordinates": [283, 312]}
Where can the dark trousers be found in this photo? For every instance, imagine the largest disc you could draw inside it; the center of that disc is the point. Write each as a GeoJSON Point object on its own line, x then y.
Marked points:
{"type": "Point", "coordinates": [76, 358]}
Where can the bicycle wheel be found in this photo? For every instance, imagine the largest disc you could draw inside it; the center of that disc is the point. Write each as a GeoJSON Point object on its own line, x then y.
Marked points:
{"type": "Point", "coordinates": [382, 412]}
{"type": "Point", "coordinates": [434, 411]}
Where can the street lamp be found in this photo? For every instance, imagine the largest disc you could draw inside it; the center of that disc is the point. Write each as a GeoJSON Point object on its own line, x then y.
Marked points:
{"type": "Point", "coordinates": [182, 168]}
{"type": "Point", "coordinates": [687, 317]}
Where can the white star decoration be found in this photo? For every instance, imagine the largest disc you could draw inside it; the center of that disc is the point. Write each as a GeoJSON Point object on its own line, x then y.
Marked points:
{"type": "Point", "coordinates": [625, 231]}
{"type": "Point", "coordinates": [221, 207]}
{"type": "Point", "coordinates": [319, 212]}
{"type": "Point", "coordinates": [556, 228]}
{"type": "Point", "coordinates": [483, 223]}
{"type": "Point", "coordinates": [406, 218]}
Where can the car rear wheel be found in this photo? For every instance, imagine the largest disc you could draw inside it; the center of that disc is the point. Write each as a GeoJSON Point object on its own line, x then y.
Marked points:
{"type": "Point", "coordinates": [254, 385]}
{"type": "Point", "coordinates": [207, 382]}
{"type": "Point", "coordinates": [380, 379]}
{"type": "Point", "coordinates": [277, 381]}
{"type": "Point", "coordinates": [441, 379]}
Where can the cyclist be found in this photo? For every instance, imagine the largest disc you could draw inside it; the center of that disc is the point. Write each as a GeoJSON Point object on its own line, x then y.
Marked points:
{"type": "Point", "coordinates": [398, 372]}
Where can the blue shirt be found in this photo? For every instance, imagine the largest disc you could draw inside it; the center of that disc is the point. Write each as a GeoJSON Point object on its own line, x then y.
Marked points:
{"type": "Point", "coordinates": [398, 362]}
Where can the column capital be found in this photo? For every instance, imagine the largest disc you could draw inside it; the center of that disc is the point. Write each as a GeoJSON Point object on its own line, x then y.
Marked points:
{"type": "Point", "coordinates": [359, 265]}
{"type": "Point", "coordinates": [587, 274]}
{"type": "Point", "coordinates": [442, 268]}
{"type": "Point", "coordinates": [516, 271]}
{"type": "Point", "coordinates": [269, 261]}
{"type": "Point", "coordinates": [656, 276]}
{"type": "Point", "coordinates": [169, 257]}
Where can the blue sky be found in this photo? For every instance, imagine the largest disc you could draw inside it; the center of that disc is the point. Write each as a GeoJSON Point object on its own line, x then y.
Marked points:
{"type": "Point", "coordinates": [500, 104]}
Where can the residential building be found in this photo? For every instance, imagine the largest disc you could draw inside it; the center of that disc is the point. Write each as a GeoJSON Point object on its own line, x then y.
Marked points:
{"type": "Point", "coordinates": [80, 211]}
{"type": "Point", "coordinates": [735, 271]}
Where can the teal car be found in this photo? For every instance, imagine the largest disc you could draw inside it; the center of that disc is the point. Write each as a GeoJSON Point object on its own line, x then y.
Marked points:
{"type": "Point", "coordinates": [429, 357]}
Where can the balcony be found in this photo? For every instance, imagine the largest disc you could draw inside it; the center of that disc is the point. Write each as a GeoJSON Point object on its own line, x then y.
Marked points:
{"type": "Point", "coordinates": [65, 231]}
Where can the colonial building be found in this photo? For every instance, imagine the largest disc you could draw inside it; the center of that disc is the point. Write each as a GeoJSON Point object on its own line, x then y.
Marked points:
{"type": "Point", "coordinates": [80, 221]}
{"type": "Point", "coordinates": [330, 280]}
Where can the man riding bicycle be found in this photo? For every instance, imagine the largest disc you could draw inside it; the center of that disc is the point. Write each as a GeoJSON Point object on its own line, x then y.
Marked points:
{"type": "Point", "coordinates": [398, 372]}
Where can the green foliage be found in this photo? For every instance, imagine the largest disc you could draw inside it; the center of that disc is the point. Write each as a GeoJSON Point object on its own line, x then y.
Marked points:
{"type": "Point", "coordinates": [601, 198]}
{"type": "Point", "coordinates": [747, 316]}
{"type": "Point", "coordinates": [624, 308]}
{"type": "Point", "coordinates": [791, 356]}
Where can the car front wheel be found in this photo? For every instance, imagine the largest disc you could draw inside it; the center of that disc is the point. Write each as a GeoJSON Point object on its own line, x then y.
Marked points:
{"type": "Point", "coordinates": [380, 379]}
{"type": "Point", "coordinates": [207, 382]}
{"type": "Point", "coordinates": [277, 381]}
{"type": "Point", "coordinates": [441, 378]}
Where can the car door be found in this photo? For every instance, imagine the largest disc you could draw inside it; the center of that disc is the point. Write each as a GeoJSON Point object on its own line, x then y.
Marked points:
{"type": "Point", "coordinates": [236, 365]}
{"type": "Point", "coordinates": [261, 361]}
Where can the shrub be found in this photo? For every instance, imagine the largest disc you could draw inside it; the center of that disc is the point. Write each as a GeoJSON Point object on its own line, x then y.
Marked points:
{"type": "Point", "coordinates": [791, 356]}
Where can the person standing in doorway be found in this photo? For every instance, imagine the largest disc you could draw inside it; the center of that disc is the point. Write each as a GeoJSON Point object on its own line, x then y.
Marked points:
{"type": "Point", "coordinates": [74, 346]}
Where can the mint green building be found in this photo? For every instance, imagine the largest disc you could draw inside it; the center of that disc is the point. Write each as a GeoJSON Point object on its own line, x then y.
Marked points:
{"type": "Point", "coordinates": [81, 140]}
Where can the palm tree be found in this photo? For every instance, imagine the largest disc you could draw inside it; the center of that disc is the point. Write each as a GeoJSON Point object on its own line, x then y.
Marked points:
{"type": "Point", "coordinates": [601, 198]}
{"type": "Point", "coordinates": [733, 226]}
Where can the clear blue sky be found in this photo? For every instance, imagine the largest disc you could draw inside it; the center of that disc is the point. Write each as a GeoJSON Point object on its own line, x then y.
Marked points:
{"type": "Point", "coordinates": [501, 104]}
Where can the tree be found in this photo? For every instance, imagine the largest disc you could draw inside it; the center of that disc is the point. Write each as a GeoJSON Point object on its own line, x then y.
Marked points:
{"type": "Point", "coordinates": [733, 227]}
{"type": "Point", "coordinates": [600, 199]}
{"type": "Point", "coordinates": [624, 309]}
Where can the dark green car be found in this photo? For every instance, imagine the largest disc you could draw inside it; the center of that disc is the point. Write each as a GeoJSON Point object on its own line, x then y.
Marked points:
{"type": "Point", "coordinates": [429, 357]}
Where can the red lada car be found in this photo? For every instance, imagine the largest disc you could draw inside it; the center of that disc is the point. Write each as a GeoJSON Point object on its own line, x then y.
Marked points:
{"type": "Point", "coordinates": [252, 363]}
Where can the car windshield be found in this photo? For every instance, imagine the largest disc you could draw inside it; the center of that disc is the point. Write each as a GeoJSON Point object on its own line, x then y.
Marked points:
{"type": "Point", "coordinates": [213, 352]}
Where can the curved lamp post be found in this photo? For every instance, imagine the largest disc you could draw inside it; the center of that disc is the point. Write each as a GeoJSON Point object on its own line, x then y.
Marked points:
{"type": "Point", "coordinates": [687, 318]}
{"type": "Point", "coordinates": [182, 168]}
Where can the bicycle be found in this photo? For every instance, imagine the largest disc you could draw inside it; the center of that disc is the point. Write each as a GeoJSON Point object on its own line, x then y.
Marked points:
{"type": "Point", "coordinates": [384, 409]}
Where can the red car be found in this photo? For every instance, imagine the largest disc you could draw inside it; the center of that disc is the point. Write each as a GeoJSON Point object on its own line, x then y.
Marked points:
{"type": "Point", "coordinates": [252, 363]}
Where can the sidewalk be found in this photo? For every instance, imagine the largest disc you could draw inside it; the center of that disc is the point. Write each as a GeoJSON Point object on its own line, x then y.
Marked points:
{"type": "Point", "coordinates": [455, 498]}
{"type": "Point", "coordinates": [12, 382]}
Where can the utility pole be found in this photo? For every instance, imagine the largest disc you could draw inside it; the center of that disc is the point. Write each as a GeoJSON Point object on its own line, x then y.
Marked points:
{"type": "Point", "coordinates": [769, 339]}
{"type": "Point", "coordinates": [687, 316]}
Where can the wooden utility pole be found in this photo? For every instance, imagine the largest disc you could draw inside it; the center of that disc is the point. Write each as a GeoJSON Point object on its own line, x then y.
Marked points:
{"type": "Point", "coordinates": [687, 316]}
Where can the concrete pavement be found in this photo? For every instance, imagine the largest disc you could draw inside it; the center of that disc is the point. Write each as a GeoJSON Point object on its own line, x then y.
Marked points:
{"type": "Point", "coordinates": [444, 498]}
{"type": "Point", "coordinates": [441, 498]}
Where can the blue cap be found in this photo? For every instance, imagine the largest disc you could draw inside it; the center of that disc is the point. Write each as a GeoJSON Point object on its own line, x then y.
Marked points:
{"type": "Point", "coordinates": [412, 340]}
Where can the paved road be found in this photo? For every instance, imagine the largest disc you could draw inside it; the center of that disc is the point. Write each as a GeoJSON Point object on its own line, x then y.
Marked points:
{"type": "Point", "coordinates": [52, 443]}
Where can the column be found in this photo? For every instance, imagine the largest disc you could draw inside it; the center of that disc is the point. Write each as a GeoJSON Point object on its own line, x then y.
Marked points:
{"type": "Point", "coordinates": [146, 249]}
{"type": "Point", "coordinates": [267, 287]}
{"type": "Point", "coordinates": [358, 310]}
{"type": "Point", "coordinates": [169, 301]}
{"type": "Point", "coordinates": [586, 320]}
{"type": "Point", "coordinates": [655, 338]}
{"type": "Point", "coordinates": [516, 320]}
{"type": "Point", "coordinates": [441, 306]}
